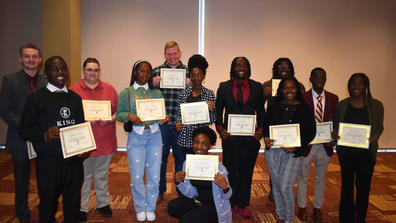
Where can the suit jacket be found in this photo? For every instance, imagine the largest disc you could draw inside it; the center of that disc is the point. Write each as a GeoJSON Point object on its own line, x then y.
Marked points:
{"type": "Point", "coordinates": [12, 100]}
{"type": "Point", "coordinates": [329, 112]}
{"type": "Point", "coordinates": [225, 101]}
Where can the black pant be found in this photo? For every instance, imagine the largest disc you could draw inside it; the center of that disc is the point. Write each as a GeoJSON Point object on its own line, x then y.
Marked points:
{"type": "Point", "coordinates": [187, 212]}
{"type": "Point", "coordinates": [57, 176]}
{"type": "Point", "coordinates": [21, 175]}
{"type": "Point", "coordinates": [239, 157]}
{"type": "Point", "coordinates": [359, 164]}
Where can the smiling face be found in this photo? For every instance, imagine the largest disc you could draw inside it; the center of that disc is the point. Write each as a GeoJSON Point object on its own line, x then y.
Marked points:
{"type": "Point", "coordinates": [91, 73]}
{"type": "Point", "coordinates": [143, 73]}
{"type": "Point", "coordinates": [318, 80]}
{"type": "Point", "coordinates": [357, 87]}
{"type": "Point", "coordinates": [284, 69]}
{"type": "Point", "coordinates": [57, 73]}
{"type": "Point", "coordinates": [30, 59]}
{"type": "Point", "coordinates": [172, 56]}
{"type": "Point", "coordinates": [241, 68]}
{"type": "Point", "coordinates": [196, 77]}
{"type": "Point", "coordinates": [201, 144]}
{"type": "Point", "coordinates": [289, 91]}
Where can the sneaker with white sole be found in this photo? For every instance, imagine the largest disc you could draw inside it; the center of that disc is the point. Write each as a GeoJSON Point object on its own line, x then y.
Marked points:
{"type": "Point", "coordinates": [150, 215]}
{"type": "Point", "coordinates": [141, 216]}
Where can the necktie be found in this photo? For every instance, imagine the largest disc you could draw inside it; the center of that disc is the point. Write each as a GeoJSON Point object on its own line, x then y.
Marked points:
{"type": "Point", "coordinates": [240, 95]}
{"type": "Point", "coordinates": [318, 110]}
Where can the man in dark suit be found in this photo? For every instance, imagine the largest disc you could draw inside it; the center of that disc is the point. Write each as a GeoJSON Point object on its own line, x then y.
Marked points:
{"type": "Point", "coordinates": [242, 96]}
{"type": "Point", "coordinates": [16, 88]}
{"type": "Point", "coordinates": [322, 104]}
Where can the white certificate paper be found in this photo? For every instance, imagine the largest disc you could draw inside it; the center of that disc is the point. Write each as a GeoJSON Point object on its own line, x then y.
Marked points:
{"type": "Point", "coordinates": [354, 135]}
{"type": "Point", "coordinates": [285, 135]}
{"type": "Point", "coordinates": [201, 167]}
{"type": "Point", "coordinates": [150, 109]}
{"type": "Point", "coordinates": [194, 113]}
{"type": "Point", "coordinates": [323, 132]}
{"type": "Point", "coordinates": [77, 139]}
{"type": "Point", "coordinates": [173, 78]}
{"type": "Point", "coordinates": [97, 110]}
{"type": "Point", "coordinates": [31, 153]}
{"type": "Point", "coordinates": [275, 84]}
{"type": "Point", "coordinates": [241, 125]}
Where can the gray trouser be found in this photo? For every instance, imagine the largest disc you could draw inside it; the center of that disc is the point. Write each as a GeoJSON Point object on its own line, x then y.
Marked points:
{"type": "Point", "coordinates": [96, 167]}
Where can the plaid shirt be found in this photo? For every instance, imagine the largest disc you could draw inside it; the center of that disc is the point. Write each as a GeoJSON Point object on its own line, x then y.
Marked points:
{"type": "Point", "coordinates": [170, 95]}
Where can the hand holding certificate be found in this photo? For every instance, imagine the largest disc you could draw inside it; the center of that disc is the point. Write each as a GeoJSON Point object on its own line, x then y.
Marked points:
{"type": "Point", "coordinates": [194, 113]}
{"type": "Point", "coordinates": [201, 167]}
{"type": "Point", "coordinates": [354, 135]}
{"type": "Point", "coordinates": [150, 109]}
{"type": "Point", "coordinates": [323, 132]}
{"type": "Point", "coordinates": [285, 135]}
{"type": "Point", "coordinates": [242, 125]}
{"type": "Point", "coordinates": [77, 139]}
{"type": "Point", "coordinates": [97, 110]}
{"type": "Point", "coordinates": [173, 78]}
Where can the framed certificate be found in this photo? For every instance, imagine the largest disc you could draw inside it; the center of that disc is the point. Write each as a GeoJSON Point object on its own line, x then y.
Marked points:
{"type": "Point", "coordinates": [194, 113]}
{"type": "Point", "coordinates": [77, 139]}
{"type": "Point", "coordinates": [173, 78]}
{"type": "Point", "coordinates": [201, 167]}
{"type": "Point", "coordinates": [323, 132]}
{"type": "Point", "coordinates": [354, 135]}
{"type": "Point", "coordinates": [96, 110]}
{"type": "Point", "coordinates": [31, 153]}
{"type": "Point", "coordinates": [275, 84]}
{"type": "Point", "coordinates": [285, 135]}
{"type": "Point", "coordinates": [150, 109]}
{"type": "Point", "coordinates": [241, 125]}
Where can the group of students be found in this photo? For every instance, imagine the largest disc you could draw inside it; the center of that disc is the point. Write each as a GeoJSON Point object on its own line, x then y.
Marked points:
{"type": "Point", "coordinates": [149, 141]}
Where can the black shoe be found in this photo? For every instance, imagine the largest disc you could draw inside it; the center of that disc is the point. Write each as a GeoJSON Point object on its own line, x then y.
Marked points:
{"type": "Point", "coordinates": [82, 217]}
{"type": "Point", "coordinates": [105, 211]}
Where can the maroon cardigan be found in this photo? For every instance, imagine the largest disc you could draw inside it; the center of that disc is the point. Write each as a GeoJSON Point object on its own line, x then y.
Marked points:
{"type": "Point", "coordinates": [329, 110]}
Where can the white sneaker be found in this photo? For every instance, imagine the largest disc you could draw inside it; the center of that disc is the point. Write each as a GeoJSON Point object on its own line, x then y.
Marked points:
{"type": "Point", "coordinates": [141, 216]}
{"type": "Point", "coordinates": [150, 215]}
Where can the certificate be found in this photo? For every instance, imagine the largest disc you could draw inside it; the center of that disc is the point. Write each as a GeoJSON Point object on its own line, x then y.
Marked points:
{"type": "Point", "coordinates": [354, 135]}
{"type": "Point", "coordinates": [285, 135]}
{"type": "Point", "coordinates": [97, 110]}
{"type": "Point", "coordinates": [194, 113]}
{"type": "Point", "coordinates": [275, 84]}
{"type": "Point", "coordinates": [241, 125]}
{"type": "Point", "coordinates": [150, 109]}
{"type": "Point", "coordinates": [77, 139]}
{"type": "Point", "coordinates": [173, 78]}
{"type": "Point", "coordinates": [323, 132]}
{"type": "Point", "coordinates": [31, 153]}
{"type": "Point", "coordinates": [201, 167]}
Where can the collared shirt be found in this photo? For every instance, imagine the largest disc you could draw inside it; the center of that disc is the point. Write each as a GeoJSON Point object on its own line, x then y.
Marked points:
{"type": "Point", "coordinates": [53, 88]}
{"type": "Point", "coordinates": [170, 95]}
{"type": "Point", "coordinates": [32, 81]}
{"type": "Point", "coordinates": [315, 100]}
{"type": "Point", "coordinates": [139, 129]}
{"type": "Point", "coordinates": [245, 88]}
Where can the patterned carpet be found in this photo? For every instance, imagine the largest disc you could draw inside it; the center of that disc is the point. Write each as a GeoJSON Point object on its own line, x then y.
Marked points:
{"type": "Point", "coordinates": [382, 207]}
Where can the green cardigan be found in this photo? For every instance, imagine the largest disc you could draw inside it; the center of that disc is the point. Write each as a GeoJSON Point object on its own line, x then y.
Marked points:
{"type": "Point", "coordinates": [376, 119]}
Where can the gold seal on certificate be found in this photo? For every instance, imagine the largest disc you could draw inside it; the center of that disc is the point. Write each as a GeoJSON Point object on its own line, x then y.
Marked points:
{"type": "Point", "coordinates": [275, 84]}
{"type": "Point", "coordinates": [285, 135]}
{"type": "Point", "coordinates": [201, 167]}
{"type": "Point", "coordinates": [96, 110]}
{"type": "Point", "coordinates": [173, 78]}
{"type": "Point", "coordinates": [150, 109]}
{"type": "Point", "coordinates": [241, 125]}
{"type": "Point", "coordinates": [31, 153]}
{"type": "Point", "coordinates": [194, 113]}
{"type": "Point", "coordinates": [77, 139]}
{"type": "Point", "coordinates": [354, 135]}
{"type": "Point", "coordinates": [323, 132]}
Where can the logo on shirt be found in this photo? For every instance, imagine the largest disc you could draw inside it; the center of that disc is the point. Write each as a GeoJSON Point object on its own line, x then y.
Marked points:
{"type": "Point", "coordinates": [65, 112]}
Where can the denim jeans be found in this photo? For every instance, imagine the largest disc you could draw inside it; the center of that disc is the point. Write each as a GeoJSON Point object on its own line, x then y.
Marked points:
{"type": "Point", "coordinates": [144, 151]}
{"type": "Point", "coordinates": [169, 139]}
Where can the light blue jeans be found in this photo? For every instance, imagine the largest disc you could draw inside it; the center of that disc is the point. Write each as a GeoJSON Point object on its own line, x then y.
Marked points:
{"type": "Point", "coordinates": [144, 151]}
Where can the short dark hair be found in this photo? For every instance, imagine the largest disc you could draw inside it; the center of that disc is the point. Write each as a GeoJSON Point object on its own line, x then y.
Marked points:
{"type": "Point", "coordinates": [279, 94]}
{"type": "Point", "coordinates": [275, 67]}
{"type": "Point", "coordinates": [90, 60]}
{"type": "Point", "coordinates": [30, 46]}
{"type": "Point", "coordinates": [206, 131]}
{"type": "Point", "coordinates": [232, 71]}
{"type": "Point", "coordinates": [133, 74]}
{"type": "Point", "coordinates": [316, 69]}
{"type": "Point", "coordinates": [50, 60]}
{"type": "Point", "coordinates": [199, 61]}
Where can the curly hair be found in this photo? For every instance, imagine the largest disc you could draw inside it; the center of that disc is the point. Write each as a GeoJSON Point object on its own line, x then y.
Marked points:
{"type": "Point", "coordinates": [199, 61]}
{"type": "Point", "coordinates": [206, 131]}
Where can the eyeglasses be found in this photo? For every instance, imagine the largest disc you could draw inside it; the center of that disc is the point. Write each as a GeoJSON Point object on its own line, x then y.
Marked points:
{"type": "Point", "coordinates": [92, 70]}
